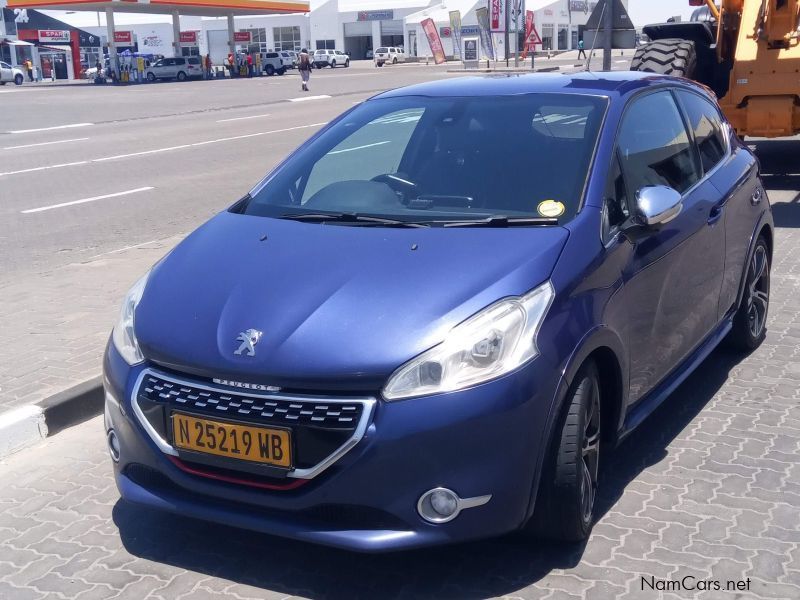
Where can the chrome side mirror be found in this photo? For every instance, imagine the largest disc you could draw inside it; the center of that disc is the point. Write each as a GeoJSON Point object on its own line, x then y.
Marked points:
{"type": "Point", "coordinates": [657, 204]}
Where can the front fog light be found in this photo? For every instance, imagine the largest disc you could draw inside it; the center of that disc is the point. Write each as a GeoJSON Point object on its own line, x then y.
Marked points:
{"type": "Point", "coordinates": [439, 505]}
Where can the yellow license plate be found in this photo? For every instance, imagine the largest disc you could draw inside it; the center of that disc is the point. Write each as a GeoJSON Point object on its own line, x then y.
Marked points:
{"type": "Point", "coordinates": [232, 440]}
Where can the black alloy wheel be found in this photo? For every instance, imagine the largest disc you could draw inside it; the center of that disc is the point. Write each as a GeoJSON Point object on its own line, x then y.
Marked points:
{"type": "Point", "coordinates": [750, 322]}
{"type": "Point", "coordinates": [568, 489]}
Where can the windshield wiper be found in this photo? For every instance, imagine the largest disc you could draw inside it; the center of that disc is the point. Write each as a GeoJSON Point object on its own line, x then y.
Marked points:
{"type": "Point", "coordinates": [350, 218]}
{"type": "Point", "coordinates": [503, 221]}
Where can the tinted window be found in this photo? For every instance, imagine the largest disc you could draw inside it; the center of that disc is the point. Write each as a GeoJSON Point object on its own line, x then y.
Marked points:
{"type": "Point", "coordinates": [194, 61]}
{"type": "Point", "coordinates": [5, 65]}
{"type": "Point", "coordinates": [616, 197]}
{"type": "Point", "coordinates": [709, 133]}
{"type": "Point", "coordinates": [382, 50]}
{"type": "Point", "coordinates": [272, 55]}
{"type": "Point", "coordinates": [180, 61]}
{"type": "Point", "coordinates": [440, 158]}
{"type": "Point", "coordinates": [654, 145]}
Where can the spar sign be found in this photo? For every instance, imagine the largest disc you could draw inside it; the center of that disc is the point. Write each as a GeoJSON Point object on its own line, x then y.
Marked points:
{"type": "Point", "coordinates": [434, 41]}
{"type": "Point", "coordinates": [497, 15]}
{"type": "Point", "coordinates": [53, 35]}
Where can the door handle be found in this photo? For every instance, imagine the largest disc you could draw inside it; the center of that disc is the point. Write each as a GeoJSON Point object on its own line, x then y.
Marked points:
{"type": "Point", "coordinates": [755, 199]}
{"type": "Point", "coordinates": [715, 214]}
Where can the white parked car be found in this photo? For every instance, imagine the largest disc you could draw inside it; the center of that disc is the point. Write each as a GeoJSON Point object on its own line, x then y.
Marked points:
{"type": "Point", "coordinates": [273, 62]}
{"type": "Point", "coordinates": [389, 55]}
{"type": "Point", "coordinates": [330, 58]}
{"type": "Point", "coordinates": [180, 68]}
{"type": "Point", "coordinates": [289, 58]}
{"type": "Point", "coordinates": [9, 73]}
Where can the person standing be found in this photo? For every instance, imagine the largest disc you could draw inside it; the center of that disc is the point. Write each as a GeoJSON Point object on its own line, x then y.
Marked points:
{"type": "Point", "coordinates": [304, 67]}
{"type": "Point", "coordinates": [581, 49]}
{"type": "Point", "coordinates": [29, 68]}
{"type": "Point", "coordinates": [249, 64]}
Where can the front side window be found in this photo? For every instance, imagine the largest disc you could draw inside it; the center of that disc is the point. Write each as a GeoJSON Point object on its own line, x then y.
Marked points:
{"type": "Point", "coordinates": [428, 159]}
{"type": "Point", "coordinates": [709, 133]}
{"type": "Point", "coordinates": [654, 145]}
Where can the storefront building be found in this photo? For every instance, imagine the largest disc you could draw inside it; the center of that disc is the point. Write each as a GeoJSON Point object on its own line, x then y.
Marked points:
{"type": "Point", "coordinates": [58, 44]}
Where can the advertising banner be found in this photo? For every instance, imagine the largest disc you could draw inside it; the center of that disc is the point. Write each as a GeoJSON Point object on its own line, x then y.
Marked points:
{"type": "Point", "coordinates": [482, 14]}
{"type": "Point", "coordinates": [188, 37]}
{"type": "Point", "coordinates": [123, 37]}
{"type": "Point", "coordinates": [531, 35]}
{"type": "Point", "coordinates": [433, 40]}
{"type": "Point", "coordinates": [455, 26]}
{"type": "Point", "coordinates": [497, 15]}
{"type": "Point", "coordinates": [241, 36]}
{"type": "Point", "coordinates": [53, 35]}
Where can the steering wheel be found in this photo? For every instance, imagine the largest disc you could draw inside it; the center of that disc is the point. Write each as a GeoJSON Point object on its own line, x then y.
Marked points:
{"type": "Point", "coordinates": [404, 188]}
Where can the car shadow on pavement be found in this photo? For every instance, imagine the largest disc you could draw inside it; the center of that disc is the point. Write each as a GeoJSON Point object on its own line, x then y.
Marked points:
{"type": "Point", "coordinates": [780, 172]}
{"type": "Point", "coordinates": [472, 570]}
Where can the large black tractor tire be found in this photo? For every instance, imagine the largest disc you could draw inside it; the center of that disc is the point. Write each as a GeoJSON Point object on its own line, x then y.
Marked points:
{"type": "Point", "coordinates": [667, 57]}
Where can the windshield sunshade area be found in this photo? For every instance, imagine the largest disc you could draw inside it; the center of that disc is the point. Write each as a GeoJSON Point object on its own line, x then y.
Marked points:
{"type": "Point", "coordinates": [436, 160]}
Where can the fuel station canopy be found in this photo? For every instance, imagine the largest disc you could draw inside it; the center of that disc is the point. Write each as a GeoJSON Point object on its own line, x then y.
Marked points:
{"type": "Point", "coordinates": [202, 8]}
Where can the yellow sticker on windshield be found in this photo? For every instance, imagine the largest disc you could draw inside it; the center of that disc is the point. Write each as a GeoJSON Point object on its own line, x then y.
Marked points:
{"type": "Point", "coordinates": [551, 208]}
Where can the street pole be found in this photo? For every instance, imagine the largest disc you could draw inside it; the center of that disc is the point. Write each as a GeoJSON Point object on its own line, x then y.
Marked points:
{"type": "Point", "coordinates": [608, 29]}
{"type": "Point", "coordinates": [507, 7]}
{"type": "Point", "coordinates": [516, 33]}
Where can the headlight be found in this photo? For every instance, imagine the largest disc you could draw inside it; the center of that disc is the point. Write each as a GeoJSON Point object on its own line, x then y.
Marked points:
{"type": "Point", "coordinates": [492, 343]}
{"type": "Point", "coordinates": [124, 336]}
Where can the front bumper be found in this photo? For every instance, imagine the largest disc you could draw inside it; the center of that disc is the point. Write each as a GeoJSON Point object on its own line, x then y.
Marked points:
{"type": "Point", "coordinates": [477, 442]}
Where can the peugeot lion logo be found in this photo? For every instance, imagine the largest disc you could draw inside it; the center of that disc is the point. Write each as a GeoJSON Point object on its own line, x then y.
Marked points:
{"type": "Point", "coordinates": [249, 340]}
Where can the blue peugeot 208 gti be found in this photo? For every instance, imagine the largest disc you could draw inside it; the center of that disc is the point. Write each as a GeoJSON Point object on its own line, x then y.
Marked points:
{"type": "Point", "coordinates": [429, 323]}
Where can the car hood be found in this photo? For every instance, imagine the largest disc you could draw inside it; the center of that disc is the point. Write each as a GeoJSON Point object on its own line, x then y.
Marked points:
{"type": "Point", "coordinates": [339, 307]}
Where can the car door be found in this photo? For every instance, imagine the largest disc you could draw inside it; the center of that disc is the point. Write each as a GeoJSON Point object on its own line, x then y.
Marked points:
{"type": "Point", "coordinates": [673, 272]}
{"type": "Point", "coordinates": [734, 172]}
{"type": "Point", "coordinates": [6, 72]}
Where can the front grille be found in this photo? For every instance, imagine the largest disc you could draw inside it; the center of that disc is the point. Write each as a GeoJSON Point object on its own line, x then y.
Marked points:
{"type": "Point", "coordinates": [329, 516]}
{"type": "Point", "coordinates": [319, 426]}
{"type": "Point", "coordinates": [267, 409]}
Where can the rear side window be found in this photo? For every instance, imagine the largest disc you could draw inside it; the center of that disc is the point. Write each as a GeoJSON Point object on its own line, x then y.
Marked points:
{"type": "Point", "coordinates": [180, 61]}
{"type": "Point", "coordinates": [194, 61]}
{"type": "Point", "coordinates": [654, 145]}
{"type": "Point", "coordinates": [709, 133]}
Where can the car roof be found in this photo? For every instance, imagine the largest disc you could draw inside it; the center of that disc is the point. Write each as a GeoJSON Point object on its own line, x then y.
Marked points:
{"type": "Point", "coordinates": [612, 84]}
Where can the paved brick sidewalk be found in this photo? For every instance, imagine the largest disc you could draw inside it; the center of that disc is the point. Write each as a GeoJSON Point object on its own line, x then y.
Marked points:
{"type": "Point", "coordinates": [55, 324]}
{"type": "Point", "coordinates": [708, 489]}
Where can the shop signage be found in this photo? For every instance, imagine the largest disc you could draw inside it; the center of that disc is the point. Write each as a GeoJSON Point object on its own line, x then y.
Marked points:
{"type": "Point", "coordinates": [482, 14]}
{"type": "Point", "coordinates": [241, 36]}
{"type": "Point", "coordinates": [188, 37]}
{"type": "Point", "coordinates": [455, 25]}
{"type": "Point", "coordinates": [445, 32]}
{"type": "Point", "coordinates": [470, 30]}
{"type": "Point", "coordinates": [123, 37]}
{"type": "Point", "coordinates": [471, 50]}
{"type": "Point", "coordinates": [579, 5]}
{"type": "Point", "coordinates": [53, 35]}
{"type": "Point", "coordinates": [434, 41]}
{"type": "Point", "coordinates": [376, 15]}
{"type": "Point", "coordinates": [497, 15]}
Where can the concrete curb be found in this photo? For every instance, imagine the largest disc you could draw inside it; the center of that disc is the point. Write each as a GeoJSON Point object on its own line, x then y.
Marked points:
{"type": "Point", "coordinates": [24, 426]}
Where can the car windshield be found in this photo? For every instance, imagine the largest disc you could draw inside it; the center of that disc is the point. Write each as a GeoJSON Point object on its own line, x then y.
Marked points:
{"type": "Point", "coordinates": [440, 159]}
{"type": "Point", "coordinates": [381, 50]}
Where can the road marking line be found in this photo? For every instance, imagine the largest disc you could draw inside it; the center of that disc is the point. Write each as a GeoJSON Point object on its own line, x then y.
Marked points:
{"type": "Point", "coordinates": [71, 126]}
{"type": "Point", "coordinates": [142, 153]}
{"type": "Point", "coordinates": [123, 249]}
{"type": "Point", "coordinates": [304, 98]}
{"type": "Point", "coordinates": [242, 118]}
{"type": "Point", "coordinates": [359, 147]}
{"type": "Point", "coordinates": [45, 144]}
{"type": "Point", "coordinates": [92, 199]}
{"type": "Point", "coordinates": [146, 152]}
{"type": "Point", "coordinates": [34, 169]}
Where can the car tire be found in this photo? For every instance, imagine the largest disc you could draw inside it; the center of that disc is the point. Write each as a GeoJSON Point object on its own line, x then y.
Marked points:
{"type": "Point", "coordinates": [18, 79]}
{"type": "Point", "coordinates": [394, 60]}
{"type": "Point", "coordinates": [346, 64]}
{"type": "Point", "coordinates": [568, 489]}
{"type": "Point", "coordinates": [282, 71]}
{"type": "Point", "coordinates": [181, 76]}
{"type": "Point", "coordinates": [3, 82]}
{"type": "Point", "coordinates": [151, 78]}
{"type": "Point", "coordinates": [750, 321]}
{"type": "Point", "coordinates": [667, 57]}
{"type": "Point", "coordinates": [333, 64]}
{"type": "Point", "coordinates": [269, 70]}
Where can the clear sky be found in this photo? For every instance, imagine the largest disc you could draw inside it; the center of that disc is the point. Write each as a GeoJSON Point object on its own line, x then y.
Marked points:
{"type": "Point", "coordinates": [642, 12]}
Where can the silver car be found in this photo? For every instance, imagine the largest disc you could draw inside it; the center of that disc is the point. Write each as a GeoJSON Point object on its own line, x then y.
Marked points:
{"type": "Point", "coordinates": [180, 68]}
{"type": "Point", "coordinates": [9, 73]}
{"type": "Point", "coordinates": [330, 58]}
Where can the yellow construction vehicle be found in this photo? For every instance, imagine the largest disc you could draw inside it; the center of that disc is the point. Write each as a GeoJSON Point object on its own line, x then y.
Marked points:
{"type": "Point", "coordinates": [747, 51]}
